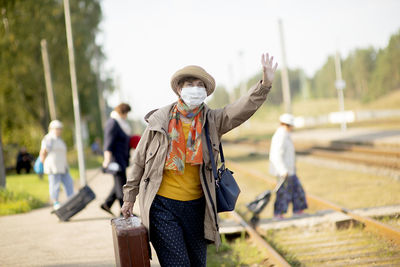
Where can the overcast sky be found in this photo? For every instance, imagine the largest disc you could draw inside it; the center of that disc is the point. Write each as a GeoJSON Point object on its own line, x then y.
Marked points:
{"type": "Point", "coordinates": [147, 41]}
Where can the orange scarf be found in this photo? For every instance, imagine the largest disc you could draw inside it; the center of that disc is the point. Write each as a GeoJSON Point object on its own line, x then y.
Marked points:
{"type": "Point", "coordinates": [180, 153]}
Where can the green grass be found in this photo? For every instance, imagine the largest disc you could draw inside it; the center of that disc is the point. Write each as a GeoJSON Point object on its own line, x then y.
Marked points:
{"type": "Point", "coordinates": [23, 193]}
{"type": "Point", "coordinates": [237, 252]}
{"type": "Point", "coordinates": [26, 192]}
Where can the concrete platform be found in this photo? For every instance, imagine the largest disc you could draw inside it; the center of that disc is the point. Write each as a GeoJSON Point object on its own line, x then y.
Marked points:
{"type": "Point", "coordinates": [38, 238]}
{"type": "Point", "coordinates": [326, 218]}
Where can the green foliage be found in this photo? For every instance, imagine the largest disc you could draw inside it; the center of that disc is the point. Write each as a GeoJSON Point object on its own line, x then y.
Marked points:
{"type": "Point", "coordinates": [220, 98]}
{"type": "Point", "coordinates": [368, 74]}
{"type": "Point", "coordinates": [357, 70]}
{"type": "Point", "coordinates": [324, 80]}
{"type": "Point", "coordinates": [386, 75]}
{"type": "Point", "coordinates": [23, 100]}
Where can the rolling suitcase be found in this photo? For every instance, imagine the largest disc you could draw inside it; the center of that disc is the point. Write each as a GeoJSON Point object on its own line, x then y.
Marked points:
{"type": "Point", "coordinates": [131, 245]}
{"type": "Point", "coordinates": [75, 204]}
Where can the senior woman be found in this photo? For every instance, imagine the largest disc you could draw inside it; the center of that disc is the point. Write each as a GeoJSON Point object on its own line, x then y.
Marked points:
{"type": "Point", "coordinates": [53, 154]}
{"type": "Point", "coordinates": [172, 170]}
{"type": "Point", "coordinates": [116, 149]}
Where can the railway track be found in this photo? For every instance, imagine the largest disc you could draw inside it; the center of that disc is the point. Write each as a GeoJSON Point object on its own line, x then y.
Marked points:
{"type": "Point", "coordinates": [384, 157]}
{"type": "Point", "coordinates": [362, 155]}
{"type": "Point", "coordinates": [371, 243]}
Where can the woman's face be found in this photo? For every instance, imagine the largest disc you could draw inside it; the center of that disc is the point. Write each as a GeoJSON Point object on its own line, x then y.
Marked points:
{"type": "Point", "coordinates": [57, 131]}
{"type": "Point", "coordinates": [124, 116]}
{"type": "Point", "coordinates": [196, 82]}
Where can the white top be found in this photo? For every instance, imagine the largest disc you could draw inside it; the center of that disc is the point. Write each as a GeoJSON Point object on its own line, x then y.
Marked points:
{"type": "Point", "coordinates": [56, 159]}
{"type": "Point", "coordinates": [282, 156]}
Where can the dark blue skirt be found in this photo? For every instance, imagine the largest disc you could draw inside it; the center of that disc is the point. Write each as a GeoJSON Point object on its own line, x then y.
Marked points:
{"type": "Point", "coordinates": [290, 191]}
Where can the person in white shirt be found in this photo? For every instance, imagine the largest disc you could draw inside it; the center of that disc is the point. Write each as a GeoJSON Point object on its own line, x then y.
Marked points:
{"type": "Point", "coordinates": [282, 159]}
{"type": "Point", "coordinates": [53, 154]}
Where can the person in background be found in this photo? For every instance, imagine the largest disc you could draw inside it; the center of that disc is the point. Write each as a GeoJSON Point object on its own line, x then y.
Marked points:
{"type": "Point", "coordinates": [53, 154]}
{"type": "Point", "coordinates": [24, 161]}
{"type": "Point", "coordinates": [282, 160]}
{"type": "Point", "coordinates": [172, 169]}
{"type": "Point", "coordinates": [95, 147]}
{"type": "Point", "coordinates": [116, 150]}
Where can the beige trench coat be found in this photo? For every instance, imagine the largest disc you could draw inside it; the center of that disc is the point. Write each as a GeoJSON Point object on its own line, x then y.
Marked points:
{"type": "Point", "coordinates": [148, 163]}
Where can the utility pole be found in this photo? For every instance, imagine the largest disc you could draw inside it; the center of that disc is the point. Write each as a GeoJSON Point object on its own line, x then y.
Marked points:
{"type": "Point", "coordinates": [47, 77]}
{"type": "Point", "coordinates": [2, 167]}
{"type": "Point", "coordinates": [242, 74]}
{"type": "Point", "coordinates": [102, 104]}
{"type": "Point", "coordinates": [340, 84]}
{"type": "Point", "coordinates": [231, 87]}
{"type": "Point", "coordinates": [284, 73]}
{"type": "Point", "coordinates": [75, 96]}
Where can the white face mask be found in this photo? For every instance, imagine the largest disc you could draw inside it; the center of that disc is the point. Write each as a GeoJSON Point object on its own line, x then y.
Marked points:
{"type": "Point", "coordinates": [193, 96]}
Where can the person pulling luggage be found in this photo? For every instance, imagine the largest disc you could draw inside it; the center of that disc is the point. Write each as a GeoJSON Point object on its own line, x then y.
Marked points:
{"type": "Point", "coordinates": [53, 154]}
{"type": "Point", "coordinates": [282, 162]}
{"type": "Point", "coordinates": [172, 171]}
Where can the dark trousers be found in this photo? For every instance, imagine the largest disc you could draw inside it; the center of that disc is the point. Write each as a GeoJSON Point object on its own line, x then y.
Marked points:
{"type": "Point", "coordinates": [290, 191]}
{"type": "Point", "coordinates": [23, 165]}
{"type": "Point", "coordinates": [177, 231]}
{"type": "Point", "coordinates": [116, 191]}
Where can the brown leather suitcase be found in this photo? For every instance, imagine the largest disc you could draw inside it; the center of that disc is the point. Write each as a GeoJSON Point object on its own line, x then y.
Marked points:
{"type": "Point", "coordinates": [131, 245]}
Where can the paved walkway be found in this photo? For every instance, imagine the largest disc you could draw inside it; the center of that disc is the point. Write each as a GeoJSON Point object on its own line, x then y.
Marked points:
{"type": "Point", "coordinates": [38, 238]}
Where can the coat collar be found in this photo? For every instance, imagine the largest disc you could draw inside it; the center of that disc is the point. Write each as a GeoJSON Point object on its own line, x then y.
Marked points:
{"type": "Point", "coordinates": [158, 119]}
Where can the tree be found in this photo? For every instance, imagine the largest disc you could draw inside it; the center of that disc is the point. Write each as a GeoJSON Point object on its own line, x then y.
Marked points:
{"type": "Point", "coordinates": [23, 102]}
{"type": "Point", "coordinates": [220, 98]}
{"type": "Point", "coordinates": [386, 75]}
{"type": "Point", "coordinates": [323, 82]}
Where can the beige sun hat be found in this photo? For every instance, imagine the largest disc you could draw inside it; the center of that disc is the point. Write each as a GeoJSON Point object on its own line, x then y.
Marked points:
{"type": "Point", "coordinates": [193, 71]}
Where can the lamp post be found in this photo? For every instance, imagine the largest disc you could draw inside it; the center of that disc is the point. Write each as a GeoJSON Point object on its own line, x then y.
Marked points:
{"type": "Point", "coordinates": [47, 77]}
{"type": "Point", "coordinates": [75, 96]}
{"type": "Point", "coordinates": [284, 73]}
{"type": "Point", "coordinates": [340, 84]}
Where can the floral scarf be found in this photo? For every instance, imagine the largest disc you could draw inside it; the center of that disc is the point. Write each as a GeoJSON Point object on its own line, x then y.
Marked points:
{"type": "Point", "coordinates": [180, 153]}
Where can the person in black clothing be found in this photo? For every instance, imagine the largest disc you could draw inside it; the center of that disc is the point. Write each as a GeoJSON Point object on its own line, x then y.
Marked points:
{"type": "Point", "coordinates": [24, 161]}
{"type": "Point", "coordinates": [116, 150]}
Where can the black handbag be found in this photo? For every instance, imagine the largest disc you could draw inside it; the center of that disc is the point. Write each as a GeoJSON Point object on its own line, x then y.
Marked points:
{"type": "Point", "coordinates": [226, 189]}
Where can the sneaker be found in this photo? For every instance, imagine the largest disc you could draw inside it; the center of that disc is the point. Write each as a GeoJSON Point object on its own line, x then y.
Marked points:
{"type": "Point", "coordinates": [106, 209]}
{"type": "Point", "coordinates": [56, 205]}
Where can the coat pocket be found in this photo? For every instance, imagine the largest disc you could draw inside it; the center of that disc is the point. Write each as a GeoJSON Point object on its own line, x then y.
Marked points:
{"type": "Point", "coordinates": [152, 150]}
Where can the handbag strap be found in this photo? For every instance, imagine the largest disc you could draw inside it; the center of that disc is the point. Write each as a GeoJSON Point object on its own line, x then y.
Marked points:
{"type": "Point", "coordinates": [214, 168]}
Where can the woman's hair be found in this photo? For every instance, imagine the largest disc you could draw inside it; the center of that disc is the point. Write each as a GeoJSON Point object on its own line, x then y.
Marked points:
{"type": "Point", "coordinates": [122, 108]}
{"type": "Point", "coordinates": [186, 79]}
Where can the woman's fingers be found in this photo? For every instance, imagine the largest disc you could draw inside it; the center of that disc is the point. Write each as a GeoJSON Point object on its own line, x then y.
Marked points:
{"type": "Point", "coordinates": [276, 65]}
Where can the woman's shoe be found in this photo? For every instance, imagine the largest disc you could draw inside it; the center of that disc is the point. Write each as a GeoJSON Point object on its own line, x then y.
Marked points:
{"type": "Point", "coordinates": [56, 205]}
{"type": "Point", "coordinates": [106, 209]}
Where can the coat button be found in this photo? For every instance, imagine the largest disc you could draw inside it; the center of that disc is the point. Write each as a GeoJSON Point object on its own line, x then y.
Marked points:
{"type": "Point", "coordinates": [151, 154]}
